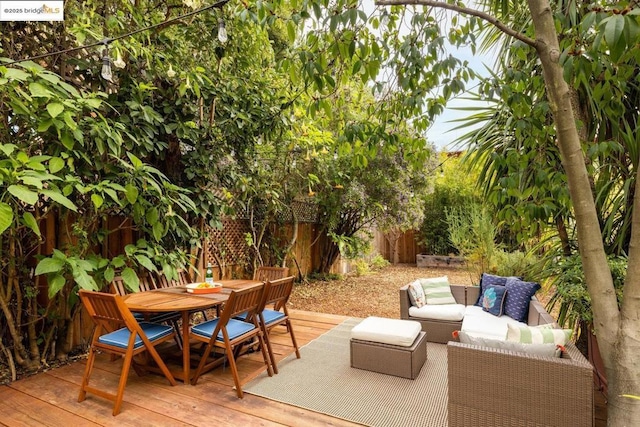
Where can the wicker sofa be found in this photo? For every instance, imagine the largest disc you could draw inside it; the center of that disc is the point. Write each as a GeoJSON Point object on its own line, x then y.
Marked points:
{"type": "Point", "coordinates": [497, 387]}
{"type": "Point", "coordinates": [440, 330]}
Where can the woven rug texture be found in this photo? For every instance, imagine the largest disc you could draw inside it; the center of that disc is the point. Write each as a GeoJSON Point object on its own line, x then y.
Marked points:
{"type": "Point", "coordinates": [323, 380]}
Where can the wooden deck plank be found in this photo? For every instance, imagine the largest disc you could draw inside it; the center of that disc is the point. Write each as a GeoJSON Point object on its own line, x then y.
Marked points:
{"type": "Point", "coordinates": [20, 409]}
{"type": "Point", "coordinates": [60, 388]}
{"type": "Point", "coordinates": [183, 408]}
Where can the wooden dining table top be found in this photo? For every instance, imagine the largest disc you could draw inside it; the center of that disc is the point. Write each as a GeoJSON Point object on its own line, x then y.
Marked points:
{"type": "Point", "coordinates": [177, 298]}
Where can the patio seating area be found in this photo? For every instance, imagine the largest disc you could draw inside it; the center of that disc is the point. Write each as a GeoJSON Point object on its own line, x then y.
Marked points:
{"type": "Point", "coordinates": [50, 398]}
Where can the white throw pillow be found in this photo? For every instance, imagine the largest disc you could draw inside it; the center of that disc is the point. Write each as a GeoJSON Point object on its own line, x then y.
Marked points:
{"type": "Point", "coordinates": [437, 290]}
{"type": "Point", "coordinates": [416, 294]}
{"type": "Point", "coordinates": [538, 334]}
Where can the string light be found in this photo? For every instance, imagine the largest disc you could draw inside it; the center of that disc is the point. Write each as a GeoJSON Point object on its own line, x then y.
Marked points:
{"type": "Point", "coordinates": [107, 41]}
{"type": "Point", "coordinates": [223, 37]}
{"type": "Point", "coordinates": [106, 66]}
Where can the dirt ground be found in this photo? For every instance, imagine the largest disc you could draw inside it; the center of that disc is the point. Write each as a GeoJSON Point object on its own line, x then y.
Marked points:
{"type": "Point", "coordinates": [373, 294]}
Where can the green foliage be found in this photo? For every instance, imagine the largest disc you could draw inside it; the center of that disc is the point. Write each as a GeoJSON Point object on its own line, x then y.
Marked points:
{"type": "Point", "coordinates": [452, 190]}
{"type": "Point", "coordinates": [361, 267]}
{"type": "Point", "coordinates": [378, 262]}
{"type": "Point", "coordinates": [365, 265]}
{"type": "Point", "coordinates": [518, 263]}
{"type": "Point", "coordinates": [473, 233]}
{"type": "Point", "coordinates": [515, 148]}
{"type": "Point", "coordinates": [571, 297]}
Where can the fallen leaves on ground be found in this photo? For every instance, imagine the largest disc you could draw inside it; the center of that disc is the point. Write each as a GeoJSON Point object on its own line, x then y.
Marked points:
{"type": "Point", "coordinates": [373, 294]}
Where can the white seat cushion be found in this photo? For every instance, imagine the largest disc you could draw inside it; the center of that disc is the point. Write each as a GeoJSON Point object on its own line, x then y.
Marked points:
{"type": "Point", "coordinates": [479, 323]}
{"type": "Point", "coordinates": [387, 331]}
{"type": "Point", "coordinates": [450, 312]}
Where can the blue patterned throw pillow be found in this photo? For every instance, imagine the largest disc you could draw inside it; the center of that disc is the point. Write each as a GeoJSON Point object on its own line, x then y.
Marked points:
{"type": "Point", "coordinates": [493, 299]}
{"type": "Point", "coordinates": [487, 280]}
{"type": "Point", "coordinates": [519, 295]}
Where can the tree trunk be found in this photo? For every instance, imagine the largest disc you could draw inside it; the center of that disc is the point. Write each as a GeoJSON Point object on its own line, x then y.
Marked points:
{"type": "Point", "coordinates": [618, 336]}
{"type": "Point", "coordinates": [563, 235]}
{"type": "Point", "coordinates": [330, 253]}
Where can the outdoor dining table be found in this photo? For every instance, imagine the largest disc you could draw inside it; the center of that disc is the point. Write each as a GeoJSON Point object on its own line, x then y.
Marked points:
{"type": "Point", "coordinates": [177, 299]}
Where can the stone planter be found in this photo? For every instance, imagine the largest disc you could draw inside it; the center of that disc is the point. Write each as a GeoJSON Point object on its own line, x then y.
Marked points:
{"type": "Point", "coordinates": [424, 261]}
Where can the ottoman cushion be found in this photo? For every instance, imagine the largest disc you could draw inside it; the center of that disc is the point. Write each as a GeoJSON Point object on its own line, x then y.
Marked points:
{"type": "Point", "coordinates": [387, 331]}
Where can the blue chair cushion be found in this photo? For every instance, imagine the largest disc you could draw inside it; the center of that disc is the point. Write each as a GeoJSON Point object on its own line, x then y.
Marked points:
{"type": "Point", "coordinates": [120, 338]}
{"type": "Point", "coordinates": [235, 328]}
{"type": "Point", "coordinates": [271, 316]}
{"type": "Point", "coordinates": [241, 316]}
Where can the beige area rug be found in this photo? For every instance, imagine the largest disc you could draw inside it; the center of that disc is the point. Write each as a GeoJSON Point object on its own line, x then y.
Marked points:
{"type": "Point", "coordinates": [323, 381]}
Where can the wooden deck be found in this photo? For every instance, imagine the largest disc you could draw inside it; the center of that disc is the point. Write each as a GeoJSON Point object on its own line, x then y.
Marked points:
{"type": "Point", "coordinates": [50, 398]}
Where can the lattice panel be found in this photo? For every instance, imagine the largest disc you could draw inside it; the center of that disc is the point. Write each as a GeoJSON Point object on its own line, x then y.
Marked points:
{"type": "Point", "coordinates": [228, 244]}
{"type": "Point", "coordinates": [305, 211]}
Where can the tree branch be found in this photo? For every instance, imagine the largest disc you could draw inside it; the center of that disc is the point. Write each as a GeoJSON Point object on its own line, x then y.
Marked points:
{"type": "Point", "coordinates": [464, 10]}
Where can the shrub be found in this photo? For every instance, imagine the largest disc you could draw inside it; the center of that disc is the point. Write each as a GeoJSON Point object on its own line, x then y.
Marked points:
{"type": "Point", "coordinates": [378, 262]}
{"type": "Point", "coordinates": [518, 263]}
{"type": "Point", "coordinates": [571, 295]}
{"type": "Point", "coordinates": [361, 267]}
{"type": "Point", "coordinates": [473, 233]}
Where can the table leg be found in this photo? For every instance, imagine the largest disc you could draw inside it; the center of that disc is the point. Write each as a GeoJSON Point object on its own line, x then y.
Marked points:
{"type": "Point", "coordinates": [186, 355]}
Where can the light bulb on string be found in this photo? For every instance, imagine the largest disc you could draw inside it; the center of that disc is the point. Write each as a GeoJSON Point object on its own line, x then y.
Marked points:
{"type": "Point", "coordinates": [106, 66]}
{"type": "Point", "coordinates": [223, 37]}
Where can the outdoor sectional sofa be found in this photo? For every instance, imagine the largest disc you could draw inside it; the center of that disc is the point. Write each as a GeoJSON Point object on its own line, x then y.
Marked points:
{"type": "Point", "coordinates": [500, 387]}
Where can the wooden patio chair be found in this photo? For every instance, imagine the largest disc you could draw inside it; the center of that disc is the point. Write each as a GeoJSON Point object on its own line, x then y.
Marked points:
{"type": "Point", "coordinates": [277, 293]}
{"type": "Point", "coordinates": [118, 287]}
{"type": "Point", "coordinates": [263, 274]}
{"type": "Point", "coordinates": [110, 313]}
{"type": "Point", "coordinates": [229, 334]}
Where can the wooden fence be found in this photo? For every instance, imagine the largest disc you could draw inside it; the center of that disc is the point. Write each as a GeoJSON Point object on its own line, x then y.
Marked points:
{"type": "Point", "coordinates": [405, 250]}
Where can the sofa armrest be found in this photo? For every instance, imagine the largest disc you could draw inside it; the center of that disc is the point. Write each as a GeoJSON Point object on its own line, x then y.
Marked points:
{"type": "Point", "coordinates": [501, 387]}
{"type": "Point", "coordinates": [459, 293]}
{"type": "Point", "coordinates": [405, 302]}
{"type": "Point", "coordinates": [538, 315]}
{"type": "Point", "coordinates": [473, 292]}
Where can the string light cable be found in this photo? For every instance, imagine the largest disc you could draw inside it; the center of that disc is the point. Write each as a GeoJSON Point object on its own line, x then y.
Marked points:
{"type": "Point", "coordinates": [106, 41]}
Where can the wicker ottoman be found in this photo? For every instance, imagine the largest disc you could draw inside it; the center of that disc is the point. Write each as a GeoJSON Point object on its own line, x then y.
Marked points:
{"type": "Point", "coordinates": [389, 346]}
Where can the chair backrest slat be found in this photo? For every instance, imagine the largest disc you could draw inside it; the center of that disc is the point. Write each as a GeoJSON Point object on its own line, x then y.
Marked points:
{"type": "Point", "coordinates": [162, 281]}
{"type": "Point", "coordinates": [270, 273]}
{"type": "Point", "coordinates": [184, 277]}
{"type": "Point", "coordinates": [118, 287]}
{"type": "Point", "coordinates": [279, 291]}
{"type": "Point", "coordinates": [245, 300]}
{"type": "Point", "coordinates": [108, 310]}
{"type": "Point", "coordinates": [146, 283]}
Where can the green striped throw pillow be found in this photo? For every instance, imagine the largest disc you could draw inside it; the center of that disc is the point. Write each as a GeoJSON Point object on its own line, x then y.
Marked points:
{"type": "Point", "coordinates": [437, 291]}
{"type": "Point", "coordinates": [538, 334]}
